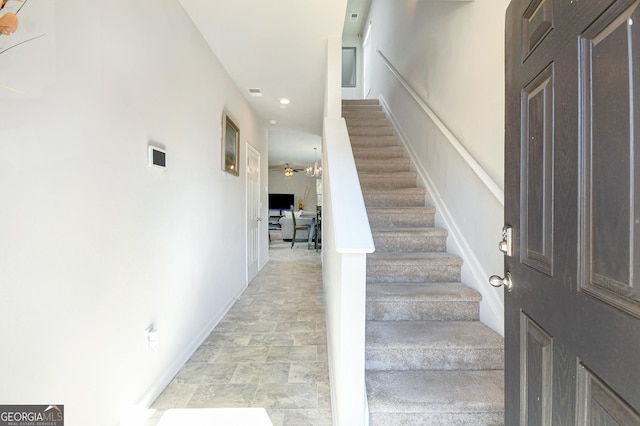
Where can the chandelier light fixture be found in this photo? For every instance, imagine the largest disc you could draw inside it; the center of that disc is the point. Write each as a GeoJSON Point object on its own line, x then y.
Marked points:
{"type": "Point", "coordinates": [314, 170]}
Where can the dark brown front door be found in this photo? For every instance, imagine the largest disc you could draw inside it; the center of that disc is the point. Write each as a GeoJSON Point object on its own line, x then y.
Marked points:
{"type": "Point", "coordinates": [572, 183]}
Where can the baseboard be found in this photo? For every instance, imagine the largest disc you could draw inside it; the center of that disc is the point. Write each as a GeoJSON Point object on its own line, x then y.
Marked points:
{"type": "Point", "coordinates": [492, 308]}
{"type": "Point", "coordinates": [331, 367]}
{"type": "Point", "coordinates": [170, 372]}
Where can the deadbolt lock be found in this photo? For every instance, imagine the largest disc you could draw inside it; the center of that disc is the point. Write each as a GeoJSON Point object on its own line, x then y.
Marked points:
{"type": "Point", "coordinates": [505, 245]}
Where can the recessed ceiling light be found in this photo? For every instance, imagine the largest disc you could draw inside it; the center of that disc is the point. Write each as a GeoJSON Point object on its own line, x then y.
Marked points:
{"type": "Point", "coordinates": [255, 92]}
{"type": "Point", "coordinates": [284, 101]}
{"type": "Point", "coordinates": [273, 122]}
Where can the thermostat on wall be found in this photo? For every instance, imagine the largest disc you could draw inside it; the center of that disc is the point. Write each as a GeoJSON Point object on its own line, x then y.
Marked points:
{"type": "Point", "coordinates": [157, 157]}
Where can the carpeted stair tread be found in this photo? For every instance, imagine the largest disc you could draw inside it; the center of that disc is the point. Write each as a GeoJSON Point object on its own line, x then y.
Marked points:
{"type": "Point", "coordinates": [422, 302]}
{"type": "Point", "coordinates": [413, 267]}
{"type": "Point", "coordinates": [346, 103]}
{"type": "Point", "coordinates": [401, 216]}
{"type": "Point", "coordinates": [387, 175]}
{"type": "Point", "coordinates": [361, 110]}
{"type": "Point", "coordinates": [409, 230]}
{"type": "Point", "coordinates": [432, 345]}
{"type": "Point", "coordinates": [444, 292]}
{"type": "Point", "coordinates": [354, 122]}
{"type": "Point", "coordinates": [407, 191]}
{"type": "Point", "coordinates": [442, 334]}
{"type": "Point", "coordinates": [445, 258]}
{"type": "Point", "coordinates": [388, 165]}
{"type": "Point", "coordinates": [410, 239]}
{"type": "Point", "coordinates": [435, 392]}
{"type": "Point", "coordinates": [354, 114]}
{"type": "Point", "coordinates": [394, 197]}
{"type": "Point", "coordinates": [383, 152]}
{"type": "Point", "coordinates": [401, 179]}
{"type": "Point", "coordinates": [373, 140]}
{"type": "Point", "coordinates": [371, 131]}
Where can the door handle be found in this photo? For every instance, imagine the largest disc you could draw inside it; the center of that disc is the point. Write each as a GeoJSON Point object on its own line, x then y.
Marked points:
{"type": "Point", "coordinates": [498, 281]}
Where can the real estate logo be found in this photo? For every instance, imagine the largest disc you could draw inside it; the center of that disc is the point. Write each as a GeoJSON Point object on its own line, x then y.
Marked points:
{"type": "Point", "coordinates": [31, 415]}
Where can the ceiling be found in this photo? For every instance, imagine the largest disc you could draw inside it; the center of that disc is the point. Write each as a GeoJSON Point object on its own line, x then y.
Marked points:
{"type": "Point", "coordinates": [279, 47]}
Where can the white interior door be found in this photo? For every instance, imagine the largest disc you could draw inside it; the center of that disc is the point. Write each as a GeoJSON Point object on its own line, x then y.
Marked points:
{"type": "Point", "coordinates": [254, 220]}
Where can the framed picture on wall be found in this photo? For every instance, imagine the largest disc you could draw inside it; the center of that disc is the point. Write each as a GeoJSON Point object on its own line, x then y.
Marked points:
{"type": "Point", "coordinates": [230, 146]}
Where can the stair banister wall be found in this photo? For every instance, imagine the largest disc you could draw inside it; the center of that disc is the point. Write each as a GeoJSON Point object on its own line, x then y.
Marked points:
{"type": "Point", "coordinates": [469, 203]}
{"type": "Point", "coordinates": [346, 240]}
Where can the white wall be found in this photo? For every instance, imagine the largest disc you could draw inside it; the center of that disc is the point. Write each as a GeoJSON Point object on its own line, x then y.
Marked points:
{"type": "Point", "coordinates": [299, 184]}
{"type": "Point", "coordinates": [452, 55]}
{"type": "Point", "coordinates": [94, 244]}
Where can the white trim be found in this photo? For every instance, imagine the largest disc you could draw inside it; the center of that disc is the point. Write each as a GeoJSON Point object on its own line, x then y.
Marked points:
{"type": "Point", "coordinates": [468, 158]}
{"type": "Point", "coordinates": [476, 272]}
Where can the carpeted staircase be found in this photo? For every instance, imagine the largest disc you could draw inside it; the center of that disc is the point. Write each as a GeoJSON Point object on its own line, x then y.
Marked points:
{"type": "Point", "coordinates": [429, 359]}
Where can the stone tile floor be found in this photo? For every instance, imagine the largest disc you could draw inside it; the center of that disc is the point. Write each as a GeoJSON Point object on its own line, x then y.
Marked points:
{"type": "Point", "coordinates": [268, 351]}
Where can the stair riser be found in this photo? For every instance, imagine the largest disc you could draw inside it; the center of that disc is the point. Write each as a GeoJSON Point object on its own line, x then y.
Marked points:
{"type": "Point", "coordinates": [373, 141]}
{"type": "Point", "coordinates": [362, 153]}
{"type": "Point", "coordinates": [436, 419]}
{"type": "Point", "coordinates": [362, 109]}
{"type": "Point", "coordinates": [368, 112]}
{"type": "Point", "coordinates": [371, 131]}
{"type": "Point", "coordinates": [387, 242]}
{"type": "Point", "coordinates": [391, 199]}
{"type": "Point", "coordinates": [355, 114]}
{"type": "Point", "coordinates": [368, 180]}
{"type": "Point", "coordinates": [393, 165]}
{"type": "Point", "coordinates": [356, 122]}
{"type": "Point", "coordinates": [352, 115]}
{"type": "Point", "coordinates": [425, 358]}
{"type": "Point", "coordinates": [399, 219]}
{"type": "Point", "coordinates": [423, 311]}
{"type": "Point", "coordinates": [416, 272]}
{"type": "Point", "coordinates": [350, 102]}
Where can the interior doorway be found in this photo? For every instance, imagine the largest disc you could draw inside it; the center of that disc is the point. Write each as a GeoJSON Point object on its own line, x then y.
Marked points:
{"type": "Point", "coordinates": [254, 219]}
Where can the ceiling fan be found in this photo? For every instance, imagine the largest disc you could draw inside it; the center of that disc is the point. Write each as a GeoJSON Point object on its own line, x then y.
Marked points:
{"type": "Point", "coordinates": [286, 168]}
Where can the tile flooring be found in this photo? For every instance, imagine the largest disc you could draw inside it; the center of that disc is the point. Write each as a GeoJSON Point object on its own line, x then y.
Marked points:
{"type": "Point", "coordinates": [268, 351]}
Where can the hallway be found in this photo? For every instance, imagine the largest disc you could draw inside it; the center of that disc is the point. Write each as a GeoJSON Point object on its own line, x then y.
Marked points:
{"type": "Point", "coordinates": [268, 351]}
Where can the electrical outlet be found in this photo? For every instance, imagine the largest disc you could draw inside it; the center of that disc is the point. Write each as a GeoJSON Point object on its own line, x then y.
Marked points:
{"type": "Point", "coordinates": [152, 338]}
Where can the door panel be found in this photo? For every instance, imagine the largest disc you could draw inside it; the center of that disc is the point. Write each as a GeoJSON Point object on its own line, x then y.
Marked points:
{"type": "Point", "coordinates": [538, 22]}
{"type": "Point", "coordinates": [536, 216]}
{"type": "Point", "coordinates": [572, 197]}
{"type": "Point", "coordinates": [609, 229]}
{"type": "Point", "coordinates": [536, 349]}
{"type": "Point", "coordinates": [599, 405]}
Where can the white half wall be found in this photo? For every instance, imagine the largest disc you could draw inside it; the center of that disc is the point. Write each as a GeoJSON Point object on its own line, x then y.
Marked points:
{"type": "Point", "coordinates": [452, 55]}
{"type": "Point", "coordinates": [95, 245]}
